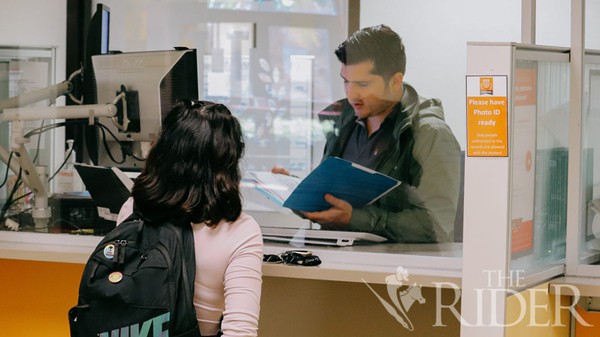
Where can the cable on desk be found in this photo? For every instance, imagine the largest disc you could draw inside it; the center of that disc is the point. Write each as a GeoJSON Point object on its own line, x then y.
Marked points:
{"type": "Point", "coordinates": [7, 170]}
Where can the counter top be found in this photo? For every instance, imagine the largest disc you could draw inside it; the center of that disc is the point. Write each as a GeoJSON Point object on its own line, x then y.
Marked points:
{"type": "Point", "coordinates": [426, 264]}
{"type": "Point", "coordinates": [575, 286]}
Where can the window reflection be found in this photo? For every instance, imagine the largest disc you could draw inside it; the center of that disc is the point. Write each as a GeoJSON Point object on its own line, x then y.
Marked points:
{"type": "Point", "coordinates": [590, 234]}
{"type": "Point", "coordinates": [325, 7]}
{"type": "Point", "coordinates": [272, 90]}
{"type": "Point", "coordinates": [541, 112]}
{"type": "Point", "coordinates": [552, 160]}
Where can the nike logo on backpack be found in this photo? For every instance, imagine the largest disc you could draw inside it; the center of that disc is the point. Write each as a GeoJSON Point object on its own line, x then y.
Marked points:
{"type": "Point", "coordinates": [135, 331]}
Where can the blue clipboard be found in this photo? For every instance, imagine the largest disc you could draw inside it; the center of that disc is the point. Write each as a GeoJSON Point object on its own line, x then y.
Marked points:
{"type": "Point", "coordinates": [343, 179]}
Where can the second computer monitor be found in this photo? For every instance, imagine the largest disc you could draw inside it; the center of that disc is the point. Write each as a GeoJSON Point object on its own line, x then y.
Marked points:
{"type": "Point", "coordinates": [154, 81]}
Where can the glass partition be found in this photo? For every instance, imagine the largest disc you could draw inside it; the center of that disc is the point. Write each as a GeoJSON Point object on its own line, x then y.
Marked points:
{"type": "Point", "coordinates": [589, 233]}
{"type": "Point", "coordinates": [273, 64]}
{"type": "Point", "coordinates": [540, 159]}
{"type": "Point", "coordinates": [24, 73]}
{"type": "Point", "coordinates": [270, 62]}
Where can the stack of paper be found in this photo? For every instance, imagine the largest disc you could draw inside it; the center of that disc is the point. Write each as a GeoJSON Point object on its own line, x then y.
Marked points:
{"type": "Point", "coordinates": [343, 179]}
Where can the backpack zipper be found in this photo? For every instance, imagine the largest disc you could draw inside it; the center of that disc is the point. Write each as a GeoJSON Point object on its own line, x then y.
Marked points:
{"type": "Point", "coordinates": [119, 256]}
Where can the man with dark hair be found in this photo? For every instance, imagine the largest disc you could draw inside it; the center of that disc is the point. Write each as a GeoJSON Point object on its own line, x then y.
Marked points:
{"type": "Point", "coordinates": [385, 125]}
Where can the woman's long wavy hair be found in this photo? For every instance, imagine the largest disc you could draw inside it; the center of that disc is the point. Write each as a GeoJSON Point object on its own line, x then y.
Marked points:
{"type": "Point", "coordinates": [192, 171]}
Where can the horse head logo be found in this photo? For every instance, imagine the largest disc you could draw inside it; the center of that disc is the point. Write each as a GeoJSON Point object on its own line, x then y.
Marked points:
{"type": "Point", "coordinates": [411, 295]}
{"type": "Point", "coordinates": [402, 297]}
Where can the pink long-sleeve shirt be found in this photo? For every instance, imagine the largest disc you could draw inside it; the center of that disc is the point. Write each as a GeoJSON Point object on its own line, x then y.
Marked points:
{"type": "Point", "coordinates": [228, 275]}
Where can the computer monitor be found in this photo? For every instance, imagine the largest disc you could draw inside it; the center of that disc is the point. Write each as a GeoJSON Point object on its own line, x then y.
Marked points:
{"type": "Point", "coordinates": [155, 80]}
{"type": "Point", "coordinates": [96, 43]}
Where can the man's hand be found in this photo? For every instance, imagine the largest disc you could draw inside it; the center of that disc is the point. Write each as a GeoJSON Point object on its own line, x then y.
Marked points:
{"type": "Point", "coordinates": [337, 217]}
{"type": "Point", "coordinates": [280, 170]}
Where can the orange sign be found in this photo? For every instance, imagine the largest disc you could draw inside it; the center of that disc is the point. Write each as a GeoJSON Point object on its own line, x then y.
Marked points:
{"type": "Point", "coordinates": [487, 126]}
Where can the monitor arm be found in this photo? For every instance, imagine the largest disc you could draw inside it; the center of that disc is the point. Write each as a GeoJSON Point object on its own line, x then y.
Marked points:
{"type": "Point", "coordinates": [51, 92]}
{"type": "Point", "coordinates": [36, 178]}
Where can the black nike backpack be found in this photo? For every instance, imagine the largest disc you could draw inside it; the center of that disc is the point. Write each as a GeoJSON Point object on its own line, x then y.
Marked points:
{"type": "Point", "coordinates": [138, 282]}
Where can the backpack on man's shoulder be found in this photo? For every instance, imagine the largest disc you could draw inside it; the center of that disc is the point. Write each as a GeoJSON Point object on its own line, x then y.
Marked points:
{"type": "Point", "coordinates": [139, 281]}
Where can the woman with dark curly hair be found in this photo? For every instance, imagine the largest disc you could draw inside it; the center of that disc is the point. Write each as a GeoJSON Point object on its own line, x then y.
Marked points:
{"type": "Point", "coordinates": [192, 172]}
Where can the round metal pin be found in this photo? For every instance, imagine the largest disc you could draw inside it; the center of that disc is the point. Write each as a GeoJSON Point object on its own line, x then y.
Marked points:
{"type": "Point", "coordinates": [109, 251]}
{"type": "Point", "coordinates": [115, 277]}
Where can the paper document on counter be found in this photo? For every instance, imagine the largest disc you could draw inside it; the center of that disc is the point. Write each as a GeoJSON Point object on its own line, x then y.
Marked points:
{"type": "Point", "coordinates": [343, 179]}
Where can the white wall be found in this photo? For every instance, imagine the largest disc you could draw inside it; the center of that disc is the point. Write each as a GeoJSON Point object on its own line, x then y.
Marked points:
{"type": "Point", "coordinates": [36, 23]}
{"type": "Point", "coordinates": [436, 32]}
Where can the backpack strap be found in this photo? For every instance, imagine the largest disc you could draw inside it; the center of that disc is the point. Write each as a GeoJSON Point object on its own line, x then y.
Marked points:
{"type": "Point", "coordinates": [183, 228]}
{"type": "Point", "coordinates": [135, 215]}
{"type": "Point", "coordinates": [188, 254]}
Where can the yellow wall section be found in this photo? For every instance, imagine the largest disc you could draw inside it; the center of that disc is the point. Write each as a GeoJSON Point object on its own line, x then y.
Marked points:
{"type": "Point", "coordinates": [537, 307]}
{"type": "Point", "coordinates": [316, 308]}
{"type": "Point", "coordinates": [36, 296]}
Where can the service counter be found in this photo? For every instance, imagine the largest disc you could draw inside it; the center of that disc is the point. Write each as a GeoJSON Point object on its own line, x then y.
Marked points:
{"type": "Point", "coordinates": [344, 296]}
{"type": "Point", "coordinates": [337, 298]}
{"type": "Point", "coordinates": [427, 264]}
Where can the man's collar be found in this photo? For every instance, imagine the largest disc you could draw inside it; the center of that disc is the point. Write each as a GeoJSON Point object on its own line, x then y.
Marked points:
{"type": "Point", "coordinates": [390, 118]}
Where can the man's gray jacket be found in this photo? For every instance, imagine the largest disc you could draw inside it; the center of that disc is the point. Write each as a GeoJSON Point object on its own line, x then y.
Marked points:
{"type": "Point", "coordinates": [425, 158]}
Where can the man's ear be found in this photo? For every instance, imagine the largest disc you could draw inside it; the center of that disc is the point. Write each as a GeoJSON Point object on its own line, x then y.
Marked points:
{"type": "Point", "coordinates": [397, 80]}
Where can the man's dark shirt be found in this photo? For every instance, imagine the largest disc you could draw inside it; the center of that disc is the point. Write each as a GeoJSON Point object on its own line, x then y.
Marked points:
{"type": "Point", "coordinates": [364, 150]}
